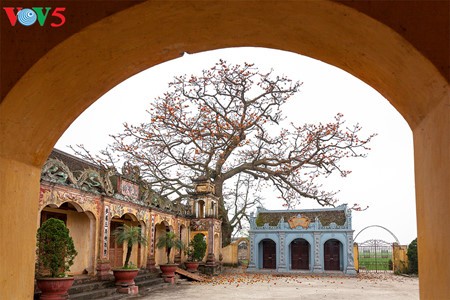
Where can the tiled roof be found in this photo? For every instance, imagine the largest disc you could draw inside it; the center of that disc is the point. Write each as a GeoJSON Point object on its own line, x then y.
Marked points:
{"type": "Point", "coordinates": [74, 163]}
{"type": "Point", "coordinates": [326, 216]}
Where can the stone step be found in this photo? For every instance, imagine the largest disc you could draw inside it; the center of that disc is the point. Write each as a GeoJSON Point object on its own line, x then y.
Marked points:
{"type": "Point", "coordinates": [149, 282]}
{"type": "Point", "coordinates": [90, 286]}
{"type": "Point", "coordinates": [146, 290]}
{"type": "Point", "coordinates": [97, 294]}
{"type": "Point", "coordinates": [147, 276]}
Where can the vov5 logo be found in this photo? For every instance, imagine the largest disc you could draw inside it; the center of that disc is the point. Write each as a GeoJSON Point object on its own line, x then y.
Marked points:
{"type": "Point", "coordinates": [29, 16]}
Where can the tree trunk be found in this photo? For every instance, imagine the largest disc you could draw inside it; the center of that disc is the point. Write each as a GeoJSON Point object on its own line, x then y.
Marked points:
{"type": "Point", "coordinates": [127, 258]}
{"type": "Point", "coordinates": [168, 255]}
{"type": "Point", "coordinates": [227, 229]}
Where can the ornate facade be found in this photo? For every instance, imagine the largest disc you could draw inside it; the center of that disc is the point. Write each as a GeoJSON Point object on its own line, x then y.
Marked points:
{"type": "Point", "coordinates": [93, 202]}
{"type": "Point", "coordinates": [314, 240]}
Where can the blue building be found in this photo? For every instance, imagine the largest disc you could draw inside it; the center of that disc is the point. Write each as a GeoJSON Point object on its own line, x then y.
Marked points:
{"type": "Point", "coordinates": [310, 240]}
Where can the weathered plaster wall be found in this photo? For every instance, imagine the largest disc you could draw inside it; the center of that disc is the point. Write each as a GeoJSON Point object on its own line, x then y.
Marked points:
{"type": "Point", "coordinates": [79, 226]}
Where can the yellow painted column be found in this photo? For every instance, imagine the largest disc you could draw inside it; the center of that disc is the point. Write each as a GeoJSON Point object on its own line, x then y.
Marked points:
{"type": "Point", "coordinates": [432, 162]}
{"type": "Point", "coordinates": [19, 196]}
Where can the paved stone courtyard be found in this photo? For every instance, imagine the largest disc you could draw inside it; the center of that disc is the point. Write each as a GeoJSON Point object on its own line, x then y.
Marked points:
{"type": "Point", "coordinates": [266, 286]}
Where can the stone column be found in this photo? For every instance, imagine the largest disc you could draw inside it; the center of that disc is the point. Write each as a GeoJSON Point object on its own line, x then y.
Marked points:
{"type": "Point", "coordinates": [252, 263]}
{"type": "Point", "coordinates": [282, 252]}
{"type": "Point", "coordinates": [317, 261]}
{"type": "Point", "coordinates": [103, 264]}
{"type": "Point", "coordinates": [350, 259]}
{"type": "Point", "coordinates": [151, 255]}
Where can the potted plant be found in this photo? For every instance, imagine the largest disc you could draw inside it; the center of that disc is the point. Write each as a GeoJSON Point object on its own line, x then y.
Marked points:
{"type": "Point", "coordinates": [169, 241]}
{"type": "Point", "coordinates": [130, 235]}
{"type": "Point", "coordinates": [195, 252]}
{"type": "Point", "coordinates": [55, 253]}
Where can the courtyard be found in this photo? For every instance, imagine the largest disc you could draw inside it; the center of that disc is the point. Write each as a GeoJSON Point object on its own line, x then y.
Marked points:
{"type": "Point", "coordinates": [272, 286]}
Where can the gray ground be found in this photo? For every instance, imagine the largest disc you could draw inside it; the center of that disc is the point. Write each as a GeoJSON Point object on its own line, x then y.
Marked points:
{"type": "Point", "coordinates": [265, 286]}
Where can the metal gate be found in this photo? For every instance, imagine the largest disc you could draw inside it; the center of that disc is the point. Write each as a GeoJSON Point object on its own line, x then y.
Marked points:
{"type": "Point", "coordinates": [375, 256]}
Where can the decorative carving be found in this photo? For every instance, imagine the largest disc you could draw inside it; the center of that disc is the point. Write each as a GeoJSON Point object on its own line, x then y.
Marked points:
{"type": "Point", "coordinates": [117, 210]}
{"type": "Point", "coordinates": [106, 232]}
{"type": "Point", "coordinates": [199, 225]}
{"type": "Point", "coordinates": [217, 226]}
{"type": "Point", "coordinates": [298, 220]}
{"type": "Point", "coordinates": [56, 171]}
{"type": "Point", "coordinates": [131, 171]}
{"type": "Point", "coordinates": [350, 258]}
{"type": "Point", "coordinates": [92, 180]}
{"type": "Point", "coordinates": [129, 189]}
{"type": "Point", "coordinates": [282, 235]}
{"type": "Point", "coordinates": [58, 197]}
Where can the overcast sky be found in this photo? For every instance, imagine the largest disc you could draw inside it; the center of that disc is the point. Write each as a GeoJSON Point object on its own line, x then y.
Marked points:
{"type": "Point", "coordinates": [384, 180]}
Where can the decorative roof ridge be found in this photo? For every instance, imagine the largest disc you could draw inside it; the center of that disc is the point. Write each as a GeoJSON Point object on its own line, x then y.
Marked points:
{"type": "Point", "coordinates": [342, 207]}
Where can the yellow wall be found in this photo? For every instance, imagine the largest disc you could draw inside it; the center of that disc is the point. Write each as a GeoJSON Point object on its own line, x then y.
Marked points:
{"type": "Point", "coordinates": [231, 254]}
{"type": "Point", "coordinates": [356, 256]}
{"type": "Point", "coordinates": [79, 226]}
{"type": "Point", "coordinates": [400, 258]}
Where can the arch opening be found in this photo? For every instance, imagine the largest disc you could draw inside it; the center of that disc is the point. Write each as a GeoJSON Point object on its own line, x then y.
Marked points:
{"type": "Point", "coordinates": [394, 67]}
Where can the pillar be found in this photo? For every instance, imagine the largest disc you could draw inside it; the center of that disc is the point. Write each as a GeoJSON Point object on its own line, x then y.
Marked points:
{"type": "Point", "coordinates": [281, 267]}
{"type": "Point", "coordinates": [252, 264]}
{"type": "Point", "coordinates": [432, 161]}
{"type": "Point", "coordinates": [350, 269]}
{"type": "Point", "coordinates": [317, 253]}
{"type": "Point", "coordinates": [19, 199]}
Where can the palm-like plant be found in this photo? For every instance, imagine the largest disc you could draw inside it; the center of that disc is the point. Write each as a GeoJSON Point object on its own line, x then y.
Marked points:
{"type": "Point", "coordinates": [169, 241]}
{"type": "Point", "coordinates": [131, 235]}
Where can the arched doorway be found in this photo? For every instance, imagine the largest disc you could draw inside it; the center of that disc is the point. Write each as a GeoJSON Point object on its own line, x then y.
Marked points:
{"type": "Point", "coordinates": [201, 209]}
{"type": "Point", "coordinates": [184, 238]}
{"type": "Point", "coordinates": [372, 51]}
{"type": "Point", "coordinates": [300, 250]}
{"type": "Point", "coordinates": [117, 251]}
{"type": "Point", "coordinates": [268, 249]}
{"type": "Point", "coordinates": [81, 225]}
{"type": "Point", "coordinates": [160, 253]}
{"type": "Point", "coordinates": [332, 251]}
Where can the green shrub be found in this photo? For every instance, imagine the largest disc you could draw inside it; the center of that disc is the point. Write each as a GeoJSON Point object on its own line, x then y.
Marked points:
{"type": "Point", "coordinates": [54, 249]}
{"type": "Point", "coordinates": [198, 245]}
{"type": "Point", "coordinates": [413, 262]}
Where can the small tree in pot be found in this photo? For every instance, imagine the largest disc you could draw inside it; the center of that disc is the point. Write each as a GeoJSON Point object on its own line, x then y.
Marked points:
{"type": "Point", "coordinates": [169, 241]}
{"type": "Point", "coordinates": [196, 252]}
{"type": "Point", "coordinates": [131, 235]}
{"type": "Point", "coordinates": [55, 255]}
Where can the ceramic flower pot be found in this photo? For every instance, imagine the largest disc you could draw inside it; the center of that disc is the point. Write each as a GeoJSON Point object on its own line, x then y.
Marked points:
{"type": "Point", "coordinates": [192, 266]}
{"type": "Point", "coordinates": [54, 288]}
{"type": "Point", "coordinates": [125, 277]}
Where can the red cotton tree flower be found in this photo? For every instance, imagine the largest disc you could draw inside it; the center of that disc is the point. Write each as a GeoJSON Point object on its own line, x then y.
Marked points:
{"type": "Point", "coordinates": [224, 122]}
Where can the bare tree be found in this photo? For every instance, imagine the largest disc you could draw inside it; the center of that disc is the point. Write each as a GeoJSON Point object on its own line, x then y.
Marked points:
{"type": "Point", "coordinates": [225, 122]}
{"type": "Point", "coordinates": [239, 201]}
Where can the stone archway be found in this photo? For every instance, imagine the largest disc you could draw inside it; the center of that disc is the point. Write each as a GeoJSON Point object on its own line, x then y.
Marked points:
{"type": "Point", "coordinates": [323, 30]}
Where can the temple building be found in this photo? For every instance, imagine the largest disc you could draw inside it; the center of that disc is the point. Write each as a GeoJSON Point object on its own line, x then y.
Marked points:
{"type": "Point", "coordinates": [309, 240]}
{"type": "Point", "coordinates": [94, 201]}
